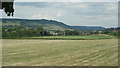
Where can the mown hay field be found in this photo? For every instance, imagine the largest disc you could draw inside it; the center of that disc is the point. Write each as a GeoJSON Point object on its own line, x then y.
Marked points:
{"type": "Point", "coordinates": [82, 37]}
{"type": "Point", "coordinates": [19, 52]}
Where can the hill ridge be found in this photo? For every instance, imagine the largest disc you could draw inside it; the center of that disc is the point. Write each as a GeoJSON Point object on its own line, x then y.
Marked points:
{"type": "Point", "coordinates": [48, 24]}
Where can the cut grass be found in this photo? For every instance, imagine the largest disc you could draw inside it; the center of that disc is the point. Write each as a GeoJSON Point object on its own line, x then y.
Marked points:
{"type": "Point", "coordinates": [84, 37]}
{"type": "Point", "coordinates": [60, 52]}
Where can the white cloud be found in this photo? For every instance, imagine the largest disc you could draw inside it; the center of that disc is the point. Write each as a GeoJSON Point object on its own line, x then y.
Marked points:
{"type": "Point", "coordinates": [90, 16]}
{"type": "Point", "coordinates": [111, 6]}
{"type": "Point", "coordinates": [99, 0]}
{"type": "Point", "coordinates": [66, 0]}
{"type": "Point", "coordinates": [59, 15]}
{"type": "Point", "coordinates": [72, 13]}
{"type": "Point", "coordinates": [40, 16]}
{"type": "Point", "coordinates": [45, 16]}
{"type": "Point", "coordinates": [48, 1]}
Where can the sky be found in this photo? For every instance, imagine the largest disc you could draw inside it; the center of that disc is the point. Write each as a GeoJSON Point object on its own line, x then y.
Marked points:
{"type": "Point", "coordinates": [67, 0]}
{"type": "Point", "coordinates": [96, 13]}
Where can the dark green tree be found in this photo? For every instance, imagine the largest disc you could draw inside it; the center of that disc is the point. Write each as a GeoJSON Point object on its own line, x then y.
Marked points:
{"type": "Point", "coordinates": [7, 7]}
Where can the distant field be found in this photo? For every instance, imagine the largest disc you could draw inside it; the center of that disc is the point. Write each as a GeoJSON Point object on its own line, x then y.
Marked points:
{"type": "Point", "coordinates": [84, 37]}
{"type": "Point", "coordinates": [33, 52]}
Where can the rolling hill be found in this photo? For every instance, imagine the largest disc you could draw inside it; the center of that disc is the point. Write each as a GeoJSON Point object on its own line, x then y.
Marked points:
{"type": "Point", "coordinates": [47, 24]}
{"type": "Point", "coordinates": [88, 28]}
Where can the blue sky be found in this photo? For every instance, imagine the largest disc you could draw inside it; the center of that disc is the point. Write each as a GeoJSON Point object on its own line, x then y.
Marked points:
{"type": "Point", "coordinates": [71, 13]}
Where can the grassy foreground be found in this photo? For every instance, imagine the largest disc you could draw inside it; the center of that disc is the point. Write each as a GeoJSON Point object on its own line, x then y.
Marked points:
{"type": "Point", "coordinates": [60, 52]}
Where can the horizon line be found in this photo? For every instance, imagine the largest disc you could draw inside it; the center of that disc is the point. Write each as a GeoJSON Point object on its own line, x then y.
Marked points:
{"type": "Point", "coordinates": [59, 21]}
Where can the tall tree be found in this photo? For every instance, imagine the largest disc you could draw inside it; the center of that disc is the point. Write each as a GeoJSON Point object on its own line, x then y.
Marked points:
{"type": "Point", "coordinates": [7, 7]}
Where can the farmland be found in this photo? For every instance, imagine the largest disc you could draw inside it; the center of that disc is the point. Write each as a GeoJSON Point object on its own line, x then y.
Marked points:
{"type": "Point", "coordinates": [59, 34]}
{"type": "Point", "coordinates": [83, 37]}
{"type": "Point", "coordinates": [35, 52]}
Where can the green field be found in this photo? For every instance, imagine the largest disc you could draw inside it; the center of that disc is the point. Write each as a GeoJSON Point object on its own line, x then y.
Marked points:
{"type": "Point", "coordinates": [34, 52]}
{"type": "Point", "coordinates": [84, 37]}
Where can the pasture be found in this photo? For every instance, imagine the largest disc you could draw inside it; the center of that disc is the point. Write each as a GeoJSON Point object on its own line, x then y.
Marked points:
{"type": "Point", "coordinates": [83, 37]}
{"type": "Point", "coordinates": [34, 52]}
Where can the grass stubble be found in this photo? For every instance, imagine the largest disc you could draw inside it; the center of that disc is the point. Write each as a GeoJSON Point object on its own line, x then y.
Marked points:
{"type": "Point", "coordinates": [19, 52]}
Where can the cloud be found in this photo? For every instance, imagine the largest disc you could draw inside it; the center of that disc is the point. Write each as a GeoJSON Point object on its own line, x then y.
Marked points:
{"type": "Point", "coordinates": [94, 8]}
{"type": "Point", "coordinates": [88, 8]}
{"type": "Point", "coordinates": [40, 16]}
{"type": "Point", "coordinates": [33, 4]}
{"type": "Point", "coordinates": [66, 0]}
{"type": "Point", "coordinates": [100, 0]}
{"type": "Point", "coordinates": [59, 15]}
{"type": "Point", "coordinates": [48, 1]}
{"type": "Point", "coordinates": [112, 7]}
{"type": "Point", "coordinates": [72, 13]}
{"type": "Point", "coordinates": [46, 16]}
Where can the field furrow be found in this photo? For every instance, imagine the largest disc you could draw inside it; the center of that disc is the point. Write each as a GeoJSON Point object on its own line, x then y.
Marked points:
{"type": "Point", "coordinates": [60, 52]}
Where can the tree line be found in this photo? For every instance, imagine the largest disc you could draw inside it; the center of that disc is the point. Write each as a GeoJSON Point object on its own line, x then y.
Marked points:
{"type": "Point", "coordinates": [112, 31]}
{"type": "Point", "coordinates": [20, 32]}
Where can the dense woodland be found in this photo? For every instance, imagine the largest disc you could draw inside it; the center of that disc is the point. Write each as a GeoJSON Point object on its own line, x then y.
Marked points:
{"type": "Point", "coordinates": [18, 32]}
